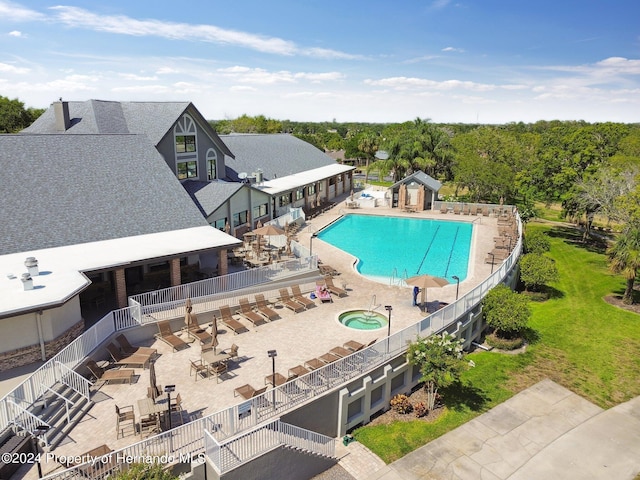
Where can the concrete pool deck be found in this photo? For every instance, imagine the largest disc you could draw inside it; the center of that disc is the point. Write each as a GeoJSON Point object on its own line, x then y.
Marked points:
{"type": "Point", "coordinates": [296, 337]}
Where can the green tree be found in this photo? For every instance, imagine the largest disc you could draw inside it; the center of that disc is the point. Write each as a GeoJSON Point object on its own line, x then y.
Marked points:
{"type": "Point", "coordinates": [624, 258]}
{"type": "Point", "coordinates": [14, 117]}
{"type": "Point", "coordinates": [506, 311]}
{"type": "Point", "coordinates": [440, 360]}
{"type": "Point", "coordinates": [145, 471]}
{"type": "Point", "coordinates": [537, 270]}
{"type": "Point", "coordinates": [536, 241]}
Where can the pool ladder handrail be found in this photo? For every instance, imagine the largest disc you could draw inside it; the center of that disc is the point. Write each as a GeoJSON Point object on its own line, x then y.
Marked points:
{"type": "Point", "coordinates": [372, 304]}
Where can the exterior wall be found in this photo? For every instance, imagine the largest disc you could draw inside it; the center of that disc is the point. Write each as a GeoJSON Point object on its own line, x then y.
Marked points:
{"type": "Point", "coordinates": [281, 463]}
{"type": "Point", "coordinates": [166, 147]}
{"type": "Point", "coordinates": [320, 416]}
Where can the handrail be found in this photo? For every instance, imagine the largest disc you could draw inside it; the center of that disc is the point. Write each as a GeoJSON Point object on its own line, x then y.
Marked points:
{"type": "Point", "coordinates": [75, 381]}
{"type": "Point", "coordinates": [230, 454]}
{"type": "Point", "coordinates": [30, 423]}
{"type": "Point", "coordinates": [65, 399]}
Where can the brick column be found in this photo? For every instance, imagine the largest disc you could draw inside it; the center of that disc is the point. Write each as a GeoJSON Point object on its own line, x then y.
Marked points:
{"type": "Point", "coordinates": [174, 272]}
{"type": "Point", "coordinates": [121, 288]}
{"type": "Point", "coordinates": [222, 262]}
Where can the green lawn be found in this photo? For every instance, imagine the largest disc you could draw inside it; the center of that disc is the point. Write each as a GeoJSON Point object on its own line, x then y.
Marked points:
{"type": "Point", "coordinates": [578, 341]}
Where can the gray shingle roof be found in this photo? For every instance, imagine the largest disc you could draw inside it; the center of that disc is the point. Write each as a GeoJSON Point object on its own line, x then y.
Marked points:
{"type": "Point", "coordinates": [277, 155]}
{"type": "Point", "coordinates": [209, 196]}
{"type": "Point", "coordinates": [423, 178]}
{"type": "Point", "coordinates": [68, 189]}
{"type": "Point", "coordinates": [154, 119]}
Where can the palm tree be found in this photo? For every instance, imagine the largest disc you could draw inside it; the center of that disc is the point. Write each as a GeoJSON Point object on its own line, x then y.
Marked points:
{"type": "Point", "coordinates": [368, 144]}
{"type": "Point", "coordinates": [624, 258]}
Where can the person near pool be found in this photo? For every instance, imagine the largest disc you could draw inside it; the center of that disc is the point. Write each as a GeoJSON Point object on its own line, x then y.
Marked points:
{"type": "Point", "coordinates": [416, 291]}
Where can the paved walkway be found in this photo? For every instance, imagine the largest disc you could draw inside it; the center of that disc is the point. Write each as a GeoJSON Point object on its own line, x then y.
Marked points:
{"type": "Point", "coordinates": [545, 432]}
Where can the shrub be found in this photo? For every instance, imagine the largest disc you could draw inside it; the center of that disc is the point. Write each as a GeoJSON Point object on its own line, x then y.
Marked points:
{"type": "Point", "coordinates": [504, 343]}
{"type": "Point", "coordinates": [536, 241]}
{"type": "Point", "coordinates": [536, 270]}
{"type": "Point", "coordinates": [420, 409]}
{"type": "Point", "coordinates": [401, 404]}
{"type": "Point", "coordinates": [506, 311]}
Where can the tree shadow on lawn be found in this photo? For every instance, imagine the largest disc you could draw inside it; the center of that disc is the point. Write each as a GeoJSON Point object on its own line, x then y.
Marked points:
{"type": "Point", "coordinates": [574, 236]}
{"type": "Point", "coordinates": [459, 396]}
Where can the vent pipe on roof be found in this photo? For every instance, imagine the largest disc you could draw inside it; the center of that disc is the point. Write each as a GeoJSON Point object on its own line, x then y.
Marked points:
{"type": "Point", "coordinates": [32, 266]}
{"type": "Point", "coordinates": [61, 111]}
{"type": "Point", "coordinates": [27, 282]}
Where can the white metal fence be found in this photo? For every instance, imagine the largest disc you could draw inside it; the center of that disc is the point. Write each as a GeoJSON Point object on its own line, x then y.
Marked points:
{"type": "Point", "coordinates": [227, 455]}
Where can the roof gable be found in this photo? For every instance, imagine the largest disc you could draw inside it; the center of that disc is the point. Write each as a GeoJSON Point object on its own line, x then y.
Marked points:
{"type": "Point", "coordinates": [422, 178]}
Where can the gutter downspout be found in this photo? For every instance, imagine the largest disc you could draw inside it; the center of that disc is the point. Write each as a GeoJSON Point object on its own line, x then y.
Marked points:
{"type": "Point", "coordinates": [43, 353]}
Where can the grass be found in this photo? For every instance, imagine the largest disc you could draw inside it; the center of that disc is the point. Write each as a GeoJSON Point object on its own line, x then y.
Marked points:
{"type": "Point", "coordinates": [578, 341]}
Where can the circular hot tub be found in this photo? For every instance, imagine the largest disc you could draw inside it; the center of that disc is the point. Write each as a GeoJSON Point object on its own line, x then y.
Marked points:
{"type": "Point", "coordinates": [362, 319]}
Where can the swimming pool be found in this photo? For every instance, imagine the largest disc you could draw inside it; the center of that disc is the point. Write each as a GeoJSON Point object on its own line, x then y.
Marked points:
{"type": "Point", "coordinates": [399, 246]}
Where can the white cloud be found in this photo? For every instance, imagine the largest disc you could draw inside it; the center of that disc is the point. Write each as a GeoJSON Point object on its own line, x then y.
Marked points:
{"type": "Point", "coordinates": [10, 11]}
{"type": "Point", "coordinates": [123, 25]}
{"type": "Point", "coordinates": [264, 77]}
{"type": "Point", "coordinates": [404, 83]}
{"type": "Point", "coordinates": [6, 68]}
{"type": "Point", "coordinates": [137, 78]}
{"type": "Point", "coordinates": [243, 88]}
{"type": "Point", "coordinates": [453, 49]}
{"type": "Point", "coordinates": [15, 33]}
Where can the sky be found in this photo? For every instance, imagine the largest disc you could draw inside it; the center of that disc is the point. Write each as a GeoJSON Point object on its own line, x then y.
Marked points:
{"type": "Point", "coordinates": [469, 61]}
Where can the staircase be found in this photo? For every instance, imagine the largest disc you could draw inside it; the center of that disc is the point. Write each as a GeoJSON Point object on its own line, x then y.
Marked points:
{"type": "Point", "coordinates": [59, 408]}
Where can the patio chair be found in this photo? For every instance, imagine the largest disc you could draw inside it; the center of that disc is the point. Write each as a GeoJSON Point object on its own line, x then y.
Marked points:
{"type": "Point", "coordinates": [124, 375]}
{"type": "Point", "coordinates": [195, 331]}
{"type": "Point", "coordinates": [248, 314]}
{"type": "Point", "coordinates": [166, 335]}
{"type": "Point", "coordinates": [456, 209]}
{"type": "Point", "coordinates": [125, 420]}
{"type": "Point", "coordinates": [264, 309]}
{"type": "Point", "coordinates": [443, 208]}
{"type": "Point", "coordinates": [300, 298]}
{"type": "Point", "coordinates": [138, 359]}
{"type": "Point", "coordinates": [200, 368]}
{"type": "Point", "coordinates": [150, 425]}
{"type": "Point", "coordinates": [328, 281]}
{"type": "Point", "coordinates": [289, 302]}
{"type": "Point", "coordinates": [176, 407]}
{"type": "Point", "coordinates": [229, 321]}
{"type": "Point", "coordinates": [217, 369]}
{"type": "Point", "coordinates": [247, 391]}
{"type": "Point", "coordinates": [129, 349]}
{"type": "Point", "coordinates": [232, 351]}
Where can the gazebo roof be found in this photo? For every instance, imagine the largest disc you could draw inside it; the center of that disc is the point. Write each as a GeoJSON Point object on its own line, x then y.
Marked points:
{"type": "Point", "coordinates": [421, 178]}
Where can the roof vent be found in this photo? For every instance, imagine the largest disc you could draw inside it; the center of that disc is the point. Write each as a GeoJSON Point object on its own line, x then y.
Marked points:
{"type": "Point", "coordinates": [258, 175]}
{"type": "Point", "coordinates": [32, 266]}
{"type": "Point", "coordinates": [27, 282]}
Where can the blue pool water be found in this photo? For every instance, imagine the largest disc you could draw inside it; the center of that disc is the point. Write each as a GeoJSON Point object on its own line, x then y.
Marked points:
{"type": "Point", "coordinates": [415, 246]}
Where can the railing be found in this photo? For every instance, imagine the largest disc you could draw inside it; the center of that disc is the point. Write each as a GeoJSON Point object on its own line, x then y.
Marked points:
{"type": "Point", "coordinates": [27, 421]}
{"type": "Point", "coordinates": [74, 381]}
{"type": "Point", "coordinates": [232, 421]}
{"type": "Point", "coordinates": [227, 455]}
{"type": "Point", "coordinates": [66, 401]}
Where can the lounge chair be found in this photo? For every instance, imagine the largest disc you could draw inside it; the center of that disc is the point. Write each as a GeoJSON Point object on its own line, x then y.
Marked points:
{"type": "Point", "coordinates": [124, 375]}
{"type": "Point", "coordinates": [466, 210]}
{"type": "Point", "coordinates": [456, 209]}
{"type": "Point", "coordinates": [353, 345]}
{"type": "Point", "coordinates": [129, 349]}
{"type": "Point", "coordinates": [229, 321]}
{"type": "Point", "coordinates": [340, 352]}
{"type": "Point", "coordinates": [328, 270]}
{"type": "Point", "coordinates": [194, 329]}
{"type": "Point", "coordinates": [443, 208]}
{"type": "Point", "coordinates": [323, 294]}
{"type": "Point", "coordinates": [289, 302]}
{"type": "Point", "coordinates": [247, 313]}
{"type": "Point", "coordinates": [138, 359]}
{"type": "Point", "coordinates": [264, 309]}
{"type": "Point", "coordinates": [300, 298]}
{"type": "Point", "coordinates": [328, 281]}
{"type": "Point", "coordinates": [166, 335]}
{"type": "Point", "coordinates": [247, 391]}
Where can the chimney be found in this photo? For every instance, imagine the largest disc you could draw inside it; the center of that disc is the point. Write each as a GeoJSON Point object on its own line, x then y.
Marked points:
{"type": "Point", "coordinates": [61, 110]}
{"type": "Point", "coordinates": [27, 282]}
{"type": "Point", "coordinates": [32, 266]}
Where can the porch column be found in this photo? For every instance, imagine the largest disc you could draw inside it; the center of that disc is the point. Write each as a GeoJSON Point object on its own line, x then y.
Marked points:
{"type": "Point", "coordinates": [121, 288]}
{"type": "Point", "coordinates": [174, 272]}
{"type": "Point", "coordinates": [222, 262]}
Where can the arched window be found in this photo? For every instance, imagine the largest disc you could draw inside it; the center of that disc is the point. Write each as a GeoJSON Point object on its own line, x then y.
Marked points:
{"type": "Point", "coordinates": [212, 157]}
{"type": "Point", "coordinates": [186, 148]}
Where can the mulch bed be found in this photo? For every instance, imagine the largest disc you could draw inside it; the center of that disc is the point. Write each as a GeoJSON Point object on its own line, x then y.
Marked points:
{"type": "Point", "coordinates": [391, 415]}
{"type": "Point", "coordinates": [616, 301]}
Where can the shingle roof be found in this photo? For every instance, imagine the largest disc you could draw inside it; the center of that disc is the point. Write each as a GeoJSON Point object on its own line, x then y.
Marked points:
{"type": "Point", "coordinates": [277, 155]}
{"type": "Point", "coordinates": [153, 119]}
{"type": "Point", "coordinates": [423, 178]}
{"type": "Point", "coordinates": [209, 196]}
{"type": "Point", "coordinates": [72, 189]}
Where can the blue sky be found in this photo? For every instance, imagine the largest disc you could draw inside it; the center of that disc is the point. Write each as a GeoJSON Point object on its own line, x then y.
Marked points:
{"type": "Point", "coordinates": [485, 61]}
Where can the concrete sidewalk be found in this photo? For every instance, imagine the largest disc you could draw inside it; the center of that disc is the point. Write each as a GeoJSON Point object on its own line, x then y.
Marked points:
{"type": "Point", "coordinates": [545, 432]}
